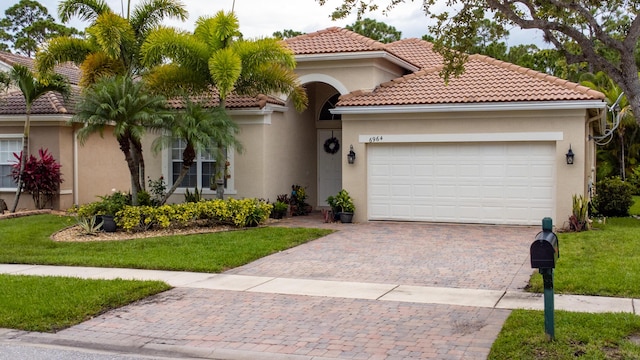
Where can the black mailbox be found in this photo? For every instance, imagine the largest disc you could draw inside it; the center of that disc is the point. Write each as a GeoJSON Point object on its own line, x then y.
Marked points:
{"type": "Point", "coordinates": [544, 250]}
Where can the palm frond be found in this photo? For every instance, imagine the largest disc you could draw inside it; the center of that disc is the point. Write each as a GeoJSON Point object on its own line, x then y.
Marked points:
{"type": "Point", "coordinates": [62, 49]}
{"type": "Point", "coordinates": [150, 13]}
{"type": "Point", "coordinates": [181, 47]}
{"type": "Point", "coordinates": [171, 80]}
{"type": "Point", "coordinates": [98, 65]}
{"type": "Point", "coordinates": [113, 34]}
{"type": "Point", "coordinates": [85, 10]}
{"type": "Point", "coordinates": [225, 67]}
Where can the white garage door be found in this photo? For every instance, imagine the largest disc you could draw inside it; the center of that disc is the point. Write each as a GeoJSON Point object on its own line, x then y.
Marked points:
{"type": "Point", "coordinates": [492, 183]}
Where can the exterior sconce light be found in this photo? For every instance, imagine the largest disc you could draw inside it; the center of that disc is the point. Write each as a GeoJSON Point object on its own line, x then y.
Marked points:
{"type": "Point", "coordinates": [351, 156]}
{"type": "Point", "coordinates": [569, 156]}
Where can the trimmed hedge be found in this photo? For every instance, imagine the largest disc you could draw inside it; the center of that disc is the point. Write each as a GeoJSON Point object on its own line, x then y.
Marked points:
{"type": "Point", "coordinates": [239, 213]}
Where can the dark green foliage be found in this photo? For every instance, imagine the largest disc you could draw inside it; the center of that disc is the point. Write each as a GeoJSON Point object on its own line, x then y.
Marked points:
{"type": "Point", "coordinates": [27, 25]}
{"type": "Point", "coordinates": [375, 30]}
{"type": "Point", "coordinates": [614, 197]}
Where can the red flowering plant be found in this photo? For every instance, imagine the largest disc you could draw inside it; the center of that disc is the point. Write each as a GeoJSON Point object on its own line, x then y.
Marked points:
{"type": "Point", "coordinates": [41, 177]}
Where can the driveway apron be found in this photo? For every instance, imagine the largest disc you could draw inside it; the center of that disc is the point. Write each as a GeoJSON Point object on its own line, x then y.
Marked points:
{"type": "Point", "coordinates": [254, 325]}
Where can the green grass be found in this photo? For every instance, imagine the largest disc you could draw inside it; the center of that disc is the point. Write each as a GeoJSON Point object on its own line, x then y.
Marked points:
{"type": "Point", "coordinates": [35, 303]}
{"type": "Point", "coordinates": [604, 261]}
{"type": "Point", "coordinates": [635, 208]}
{"type": "Point", "coordinates": [577, 335]}
{"type": "Point", "coordinates": [26, 241]}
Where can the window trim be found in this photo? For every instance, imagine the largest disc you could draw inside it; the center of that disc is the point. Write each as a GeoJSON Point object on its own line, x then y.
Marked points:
{"type": "Point", "coordinates": [167, 173]}
{"type": "Point", "coordinates": [9, 137]}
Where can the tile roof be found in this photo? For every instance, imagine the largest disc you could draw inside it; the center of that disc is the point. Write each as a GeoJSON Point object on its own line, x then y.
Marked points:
{"type": "Point", "coordinates": [484, 80]}
{"type": "Point", "coordinates": [232, 102]}
{"type": "Point", "coordinates": [68, 69]}
{"type": "Point", "coordinates": [50, 103]}
{"type": "Point", "coordinates": [415, 51]}
{"type": "Point", "coordinates": [332, 40]}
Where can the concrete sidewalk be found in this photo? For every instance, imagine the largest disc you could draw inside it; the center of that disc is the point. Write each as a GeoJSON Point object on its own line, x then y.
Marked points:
{"type": "Point", "coordinates": [497, 299]}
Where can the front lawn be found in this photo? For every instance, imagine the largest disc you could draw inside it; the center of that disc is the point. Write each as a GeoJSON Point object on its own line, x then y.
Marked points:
{"type": "Point", "coordinates": [604, 261]}
{"type": "Point", "coordinates": [26, 241]}
{"type": "Point", "coordinates": [578, 335]}
{"type": "Point", "coordinates": [35, 303]}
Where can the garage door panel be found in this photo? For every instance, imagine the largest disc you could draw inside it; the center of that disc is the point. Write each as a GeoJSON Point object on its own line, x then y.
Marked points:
{"type": "Point", "coordinates": [504, 183]}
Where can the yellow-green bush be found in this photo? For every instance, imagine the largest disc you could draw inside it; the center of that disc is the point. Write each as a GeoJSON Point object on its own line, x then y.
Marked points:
{"type": "Point", "coordinates": [239, 213]}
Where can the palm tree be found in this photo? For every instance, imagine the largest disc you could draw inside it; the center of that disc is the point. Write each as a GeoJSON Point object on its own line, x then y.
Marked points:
{"type": "Point", "coordinates": [127, 105]}
{"type": "Point", "coordinates": [33, 88]}
{"type": "Point", "coordinates": [113, 41]}
{"type": "Point", "coordinates": [112, 44]}
{"type": "Point", "coordinates": [216, 56]}
{"type": "Point", "coordinates": [198, 127]}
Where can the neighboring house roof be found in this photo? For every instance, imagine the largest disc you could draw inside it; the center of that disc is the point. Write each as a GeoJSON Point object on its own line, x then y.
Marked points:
{"type": "Point", "coordinates": [53, 103]}
{"type": "Point", "coordinates": [68, 69]}
{"type": "Point", "coordinates": [485, 79]}
{"type": "Point", "coordinates": [50, 103]}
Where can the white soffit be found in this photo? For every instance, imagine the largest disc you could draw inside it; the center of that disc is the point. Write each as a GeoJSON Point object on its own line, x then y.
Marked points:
{"type": "Point", "coordinates": [473, 137]}
{"type": "Point", "coordinates": [505, 106]}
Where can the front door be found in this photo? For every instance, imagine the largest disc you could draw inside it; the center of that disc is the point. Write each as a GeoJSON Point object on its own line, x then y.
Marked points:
{"type": "Point", "coordinates": [329, 165]}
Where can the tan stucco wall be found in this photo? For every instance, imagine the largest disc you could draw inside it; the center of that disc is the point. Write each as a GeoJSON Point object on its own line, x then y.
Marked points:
{"type": "Point", "coordinates": [56, 137]}
{"type": "Point", "coordinates": [570, 179]}
{"type": "Point", "coordinates": [360, 74]}
{"type": "Point", "coordinates": [101, 168]}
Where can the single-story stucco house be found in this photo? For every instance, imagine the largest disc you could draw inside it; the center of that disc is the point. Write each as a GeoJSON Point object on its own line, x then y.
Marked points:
{"type": "Point", "coordinates": [488, 147]}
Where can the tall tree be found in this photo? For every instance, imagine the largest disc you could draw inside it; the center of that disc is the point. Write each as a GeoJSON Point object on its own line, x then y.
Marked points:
{"type": "Point", "coordinates": [27, 25]}
{"type": "Point", "coordinates": [111, 46]}
{"type": "Point", "coordinates": [602, 34]}
{"type": "Point", "coordinates": [32, 88]}
{"type": "Point", "coordinates": [286, 34]}
{"type": "Point", "coordinates": [128, 106]}
{"type": "Point", "coordinates": [200, 129]}
{"type": "Point", "coordinates": [375, 30]}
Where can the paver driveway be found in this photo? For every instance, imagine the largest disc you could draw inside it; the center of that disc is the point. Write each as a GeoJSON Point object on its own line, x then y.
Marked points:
{"type": "Point", "coordinates": [248, 325]}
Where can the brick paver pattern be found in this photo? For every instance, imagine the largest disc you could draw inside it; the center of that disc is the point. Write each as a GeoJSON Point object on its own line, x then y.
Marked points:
{"type": "Point", "coordinates": [463, 256]}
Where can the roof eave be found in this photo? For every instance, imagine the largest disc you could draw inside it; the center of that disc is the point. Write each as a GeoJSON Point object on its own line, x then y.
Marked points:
{"type": "Point", "coordinates": [341, 56]}
{"type": "Point", "coordinates": [460, 107]}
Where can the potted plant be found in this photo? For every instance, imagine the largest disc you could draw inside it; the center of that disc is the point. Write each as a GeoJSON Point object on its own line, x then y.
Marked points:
{"type": "Point", "coordinates": [344, 202]}
{"type": "Point", "coordinates": [335, 210]}
{"type": "Point", "coordinates": [279, 209]}
{"type": "Point", "coordinates": [298, 201]}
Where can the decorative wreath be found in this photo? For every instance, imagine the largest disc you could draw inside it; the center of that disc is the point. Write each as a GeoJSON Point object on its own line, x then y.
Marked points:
{"type": "Point", "coordinates": [332, 145]}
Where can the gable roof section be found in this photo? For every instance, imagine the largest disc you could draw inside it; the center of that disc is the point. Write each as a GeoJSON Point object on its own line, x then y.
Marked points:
{"type": "Point", "coordinates": [332, 40]}
{"type": "Point", "coordinates": [69, 70]}
{"type": "Point", "coordinates": [485, 80]}
{"type": "Point", "coordinates": [233, 101]}
{"type": "Point", "coordinates": [416, 51]}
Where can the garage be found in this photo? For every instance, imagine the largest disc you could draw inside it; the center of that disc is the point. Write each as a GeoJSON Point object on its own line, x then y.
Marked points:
{"type": "Point", "coordinates": [481, 182]}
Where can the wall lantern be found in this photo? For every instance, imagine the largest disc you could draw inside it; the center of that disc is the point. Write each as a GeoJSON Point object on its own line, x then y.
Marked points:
{"type": "Point", "coordinates": [569, 155]}
{"type": "Point", "coordinates": [351, 156]}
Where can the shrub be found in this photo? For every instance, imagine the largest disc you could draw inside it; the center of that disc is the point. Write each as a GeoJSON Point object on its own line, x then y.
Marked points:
{"type": "Point", "coordinates": [239, 213]}
{"type": "Point", "coordinates": [614, 197]}
{"type": "Point", "coordinates": [634, 180]}
{"type": "Point", "coordinates": [41, 177]}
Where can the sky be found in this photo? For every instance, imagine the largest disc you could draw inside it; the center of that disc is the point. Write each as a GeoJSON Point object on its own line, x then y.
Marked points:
{"type": "Point", "coordinates": [260, 18]}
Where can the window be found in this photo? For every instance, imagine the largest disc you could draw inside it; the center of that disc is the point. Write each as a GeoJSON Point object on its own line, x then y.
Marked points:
{"type": "Point", "coordinates": [201, 171]}
{"type": "Point", "coordinates": [325, 113]}
{"type": "Point", "coordinates": [8, 146]}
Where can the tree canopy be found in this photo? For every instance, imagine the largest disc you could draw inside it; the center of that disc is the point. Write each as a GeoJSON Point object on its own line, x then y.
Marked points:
{"type": "Point", "coordinates": [375, 30]}
{"type": "Point", "coordinates": [27, 25]}
{"type": "Point", "coordinates": [602, 34]}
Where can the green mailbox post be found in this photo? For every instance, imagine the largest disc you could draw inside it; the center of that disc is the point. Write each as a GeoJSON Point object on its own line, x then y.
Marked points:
{"type": "Point", "coordinates": [544, 253]}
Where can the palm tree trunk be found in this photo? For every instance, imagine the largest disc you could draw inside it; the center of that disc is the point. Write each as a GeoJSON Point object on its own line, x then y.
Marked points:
{"type": "Point", "coordinates": [23, 158]}
{"type": "Point", "coordinates": [184, 170]}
